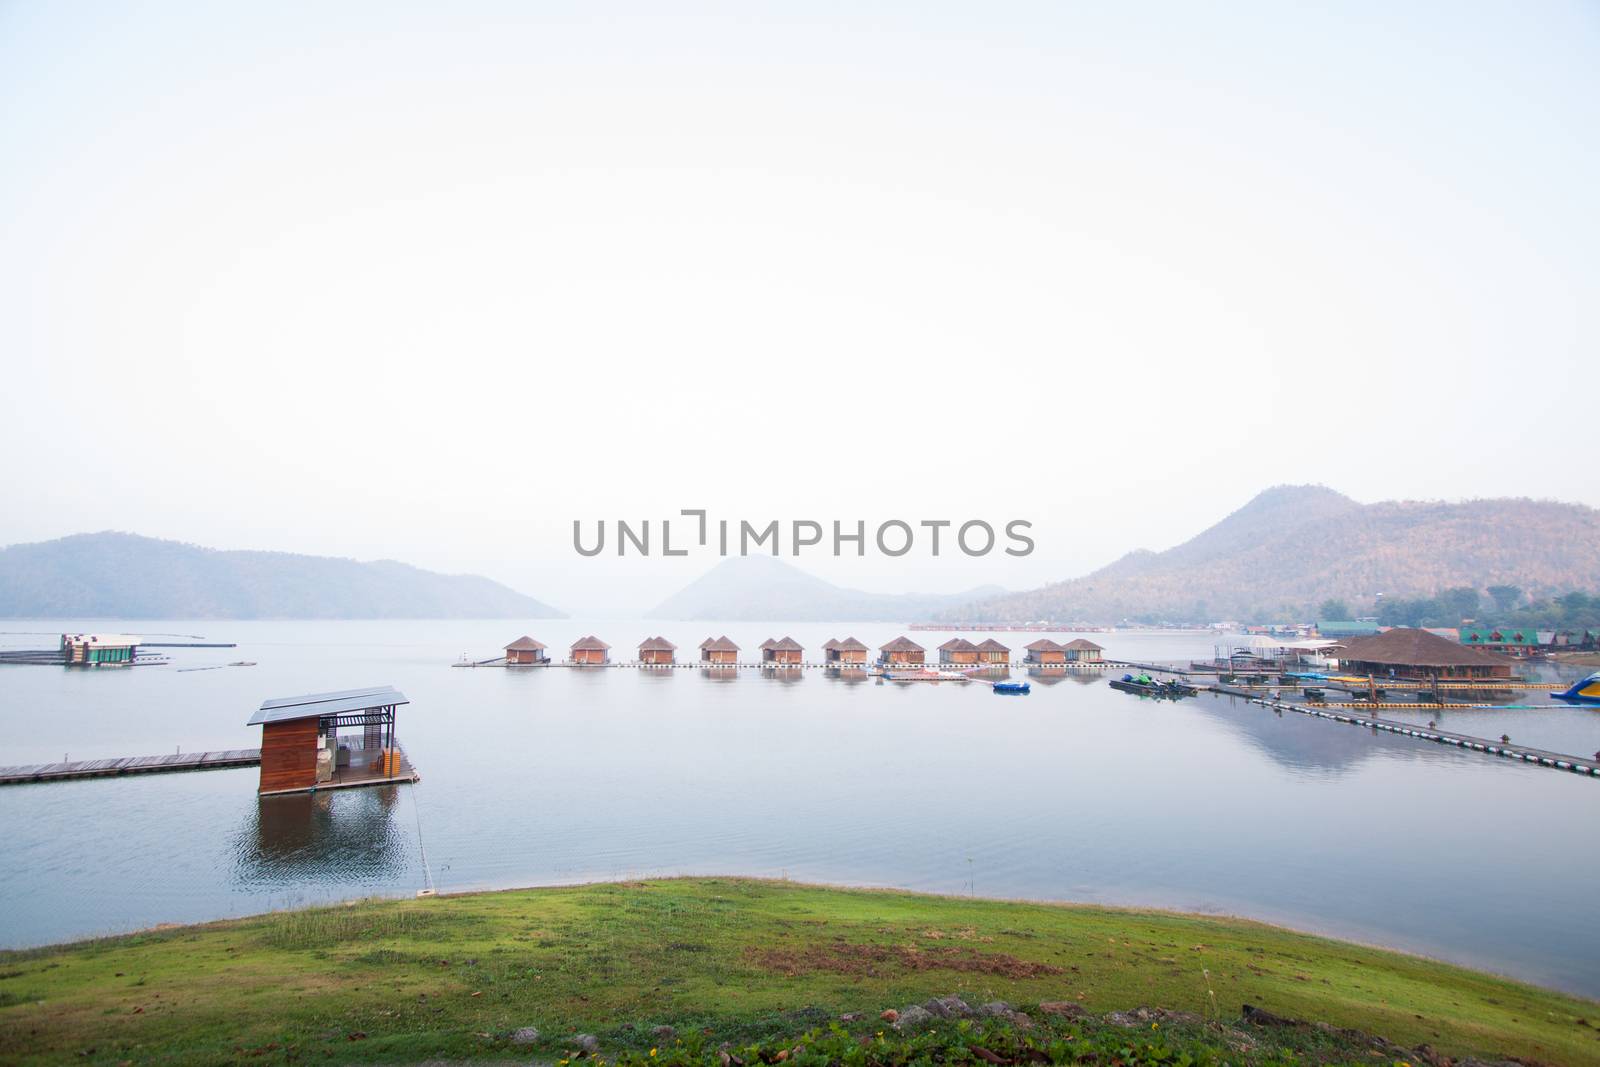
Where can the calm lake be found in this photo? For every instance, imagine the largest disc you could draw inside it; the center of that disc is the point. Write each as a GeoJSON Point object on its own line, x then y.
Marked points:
{"type": "Point", "coordinates": [1076, 792]}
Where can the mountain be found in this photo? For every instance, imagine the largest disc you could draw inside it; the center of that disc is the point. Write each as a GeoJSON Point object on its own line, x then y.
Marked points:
{"type": "Point", "coordinates": [763, 588]}
{"type": "Point", "coordinates": [1291, 547]}
{"type": "Point", "coordinates": [119, 575]}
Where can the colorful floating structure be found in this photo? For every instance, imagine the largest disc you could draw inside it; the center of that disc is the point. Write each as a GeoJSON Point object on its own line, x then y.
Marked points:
{"type": "Point", "coordinates": [1585, 692]}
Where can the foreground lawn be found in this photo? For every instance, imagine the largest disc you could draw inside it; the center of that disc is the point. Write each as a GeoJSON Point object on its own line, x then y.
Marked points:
{"type": "Point", "coordinates": [745, 962]}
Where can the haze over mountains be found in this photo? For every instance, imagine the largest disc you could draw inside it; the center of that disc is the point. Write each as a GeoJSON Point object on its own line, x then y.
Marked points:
{"type": "Point", "coordinates": [1291, 547]}
{"type": "Point", "coordinates": [759, 588]}
{"type": "Point", "coordinates": [119, 575]}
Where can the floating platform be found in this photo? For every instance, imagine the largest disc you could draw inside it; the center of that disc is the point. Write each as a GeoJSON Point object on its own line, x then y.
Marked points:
{"type": "Point", "coordinates": [111, 768]}
{"type": "Point", "coordinates": [1098, 665]}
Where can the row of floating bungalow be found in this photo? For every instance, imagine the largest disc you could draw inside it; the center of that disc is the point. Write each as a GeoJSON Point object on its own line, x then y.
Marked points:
{"type": "Point", "coordinates": [786, 651]}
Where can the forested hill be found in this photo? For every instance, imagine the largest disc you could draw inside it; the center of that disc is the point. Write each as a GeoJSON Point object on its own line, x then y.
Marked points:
{"type": "Point", "coordinates": [119, 575]}
{"type": "Point", "coordinates": [1292, 547]}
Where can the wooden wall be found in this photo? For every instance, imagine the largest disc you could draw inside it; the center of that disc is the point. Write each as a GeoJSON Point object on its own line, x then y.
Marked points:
{"type": "Point", "coordinates": [289, 755]}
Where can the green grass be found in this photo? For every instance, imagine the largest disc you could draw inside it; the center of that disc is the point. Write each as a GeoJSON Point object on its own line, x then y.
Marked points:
{"type": "Point", "coordinates": [721, 959]}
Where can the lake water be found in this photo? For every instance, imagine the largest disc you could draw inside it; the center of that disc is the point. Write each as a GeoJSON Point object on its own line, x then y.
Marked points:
{"type": "Point", "coordinates": [1076, 792]}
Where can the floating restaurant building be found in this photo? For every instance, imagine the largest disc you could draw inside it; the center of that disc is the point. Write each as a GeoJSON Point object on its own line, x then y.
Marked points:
{"type": "Point", "coordinates": [1045, 650]}
{"type": "Point", "coordinates": [958, 650]}
{"type": "Point", "coordinates": [902, 650]}
{"type": "Point", "coordinates": [302, 749]}
{"type": "Point", "coordinates": [848, 652]}
{"type": "Point", "coordinates": [98, 650]}
{"type": "Point", "coordinates": [657, 650]}
{"type": "Point", "coordinates": [1418, 655]}
{"type": "Point", "coordinates": [785, 651]}
{"type": "Point", "coordinates": [591, 650]}
{"type": "Point", "coordinates": [526, 652]}
{"type": "Point", "coordinates": [718, 650]}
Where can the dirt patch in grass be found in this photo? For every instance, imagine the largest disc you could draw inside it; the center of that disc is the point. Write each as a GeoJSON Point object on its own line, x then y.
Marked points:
{"type": "Point", "coordinates": [843, 957]}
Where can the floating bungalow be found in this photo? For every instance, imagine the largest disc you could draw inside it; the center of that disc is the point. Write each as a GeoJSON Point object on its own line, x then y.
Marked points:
{"type": "Point", "coordinates": [1045, 650]}
{"type": "Point", "coordinates": [591, 650]}
{"type": "Point", "coordinates": [785, 651]}
{"type": "Point", "coordinates": [901, 650]}
{"type": "Point", "coordinates": [718, 650]}
{"type": "Point", "coordinates": [98, 650]}
{"type": "Point", "coordinates": [526, 652]}
{"type": "Point", "coordinates": [848, 652]}
{"type": "Point", "coordinates": [657, 650]}
{"type": "Point", "coordinates": [302, 749]}
{"type": "Point", "coordinates": [1417, 655]}
{"type": "Point", "coordinates": [1079, 650]}
{"type": "Point", "coordinates": [958, 650]}
{"type": "Point", "coordinates": [993, 653]}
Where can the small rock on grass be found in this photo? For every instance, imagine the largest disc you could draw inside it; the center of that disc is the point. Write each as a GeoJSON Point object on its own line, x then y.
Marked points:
{"type": "Point", "coordinates": [890, 1016]}
{"type": "Point", "coordinates": [586, 1043]}
{"type": "Point", "coordinates": [527, 1035]}
{"type": "Point", "coordinates": [852, 1017]}
{"type": "Point", "coordinates": [912, 1016]}
{"type": "Point", "coordinates": [951, 1007]}
{"type": "Point", "coordinates": [1066, 1009]}
{"type": "Point", "coordinates": [663, 1033]}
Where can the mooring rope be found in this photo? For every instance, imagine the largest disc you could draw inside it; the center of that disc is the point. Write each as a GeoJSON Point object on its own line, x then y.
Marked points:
{"type": "Point", "coordinates": [416, 809]}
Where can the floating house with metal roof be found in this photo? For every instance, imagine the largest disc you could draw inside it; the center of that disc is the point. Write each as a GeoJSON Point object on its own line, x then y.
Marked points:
{"type": "Point", "coordinates": [718, 650]}
{"type": "Point", "coordinates": [526, 652]}
{"type": "Point", "coordinates": [958, 650]}
{"type": "Point", "coordinates": [331, 741]}
{"type": "Point", "coordinates": [848, 652]}
{"type": "Point", "coordinates": [657, 650]}
{"type": "Point", "coordinates": [785, 650]}
{"type": "Point", "coordinates": [590, 650]}
{"type": "Point", "coordinates": [901, 650]}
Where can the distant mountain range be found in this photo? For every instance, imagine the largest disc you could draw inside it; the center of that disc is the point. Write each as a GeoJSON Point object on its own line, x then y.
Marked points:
{"type": "Point", "coordinates": [1282, 554]}
{"type": "Point", "coordinates": [759, 588]}
{"type": "Point", "coordinates": [119, 575]}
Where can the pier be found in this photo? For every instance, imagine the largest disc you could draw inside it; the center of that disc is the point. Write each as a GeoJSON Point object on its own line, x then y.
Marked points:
{"type": "Point", "coordinates": [111, 768]}
{"type": "Point", "coordinates": [1542, 757]}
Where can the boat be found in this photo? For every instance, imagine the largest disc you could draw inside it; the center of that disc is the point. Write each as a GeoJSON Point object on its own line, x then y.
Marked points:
{"type": "Point", "coordinates": [1144, 685]}
{"type": "Point", "coordinates": [1013, 688]}
{"type": "Point", "coordinates": [1585, 691]}
{"type": "Point", "coordinates": [926, 674]}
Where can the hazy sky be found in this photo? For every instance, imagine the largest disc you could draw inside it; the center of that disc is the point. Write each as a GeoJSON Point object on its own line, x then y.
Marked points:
{"type": "Point", "coordinates": [429, 282]}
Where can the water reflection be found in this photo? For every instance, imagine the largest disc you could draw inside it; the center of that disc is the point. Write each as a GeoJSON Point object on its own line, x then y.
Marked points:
{"type": "Point", "coordinates": [312, 837]}
{"type": "Point", "coordinates": [720, 674]}
{"type": "Point", "coordinates": [786, 675]}
{"type": "Point", "coordinates": [847, 675]}
{"type": "Point", "coordinates": [1291, 740]}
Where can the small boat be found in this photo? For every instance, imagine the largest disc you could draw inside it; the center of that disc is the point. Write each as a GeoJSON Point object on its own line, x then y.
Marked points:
{"type": "Point", "coordinates": [1144, 685]}
{"type": "Point", "coordinates": [1585, 691]}
{"type": "Point", "coordinates": [1013, 688]}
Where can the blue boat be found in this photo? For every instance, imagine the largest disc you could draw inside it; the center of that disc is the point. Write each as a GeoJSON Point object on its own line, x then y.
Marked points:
{"type": "Point", "coordinates": [1585, 691]}
{"type": "Point", "coordinates": [1020, 689]}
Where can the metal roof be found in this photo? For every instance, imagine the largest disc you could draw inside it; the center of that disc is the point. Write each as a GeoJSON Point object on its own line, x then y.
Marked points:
{"type": "Point", "coordinates": [307, 705]}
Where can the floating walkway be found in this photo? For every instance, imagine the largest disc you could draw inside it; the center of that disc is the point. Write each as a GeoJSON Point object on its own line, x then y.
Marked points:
{"type": "Point", "coordinates": [111, 768]}
{"type": "Point", "coordinates": [1098, 665]}
{"type": "Point", "coordinates": [1556, 760]}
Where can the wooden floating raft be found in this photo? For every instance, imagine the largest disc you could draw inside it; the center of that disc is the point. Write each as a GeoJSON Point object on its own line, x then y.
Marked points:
{"type": "Point", "coordinates": [110, 768]}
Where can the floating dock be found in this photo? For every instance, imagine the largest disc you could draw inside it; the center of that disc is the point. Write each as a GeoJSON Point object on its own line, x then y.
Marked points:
{"type": "Point", "coordinates": [1019, 665]}
{"type": "Point", "coordinates": [1560, 761]}
{"type": "Point", "coordinates": [111, 768]}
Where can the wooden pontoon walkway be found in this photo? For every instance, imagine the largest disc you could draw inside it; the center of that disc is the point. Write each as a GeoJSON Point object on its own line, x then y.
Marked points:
{"type": "Point", "coordinates": [1543, 757]}
{"type": "Point", "coordinates": [110, 768]}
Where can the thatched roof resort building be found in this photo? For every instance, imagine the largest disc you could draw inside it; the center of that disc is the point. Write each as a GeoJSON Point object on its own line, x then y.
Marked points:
{"type": "Point", "coordinates": [1418, 655]}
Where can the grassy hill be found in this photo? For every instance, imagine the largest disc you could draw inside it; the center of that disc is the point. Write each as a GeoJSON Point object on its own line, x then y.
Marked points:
{"type": "Point", "coordinates": [1291, 547]}
{"type": "Point", "coordinates": [119, 575]}
{"type": "Point", "coordinates": [759, 965]}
